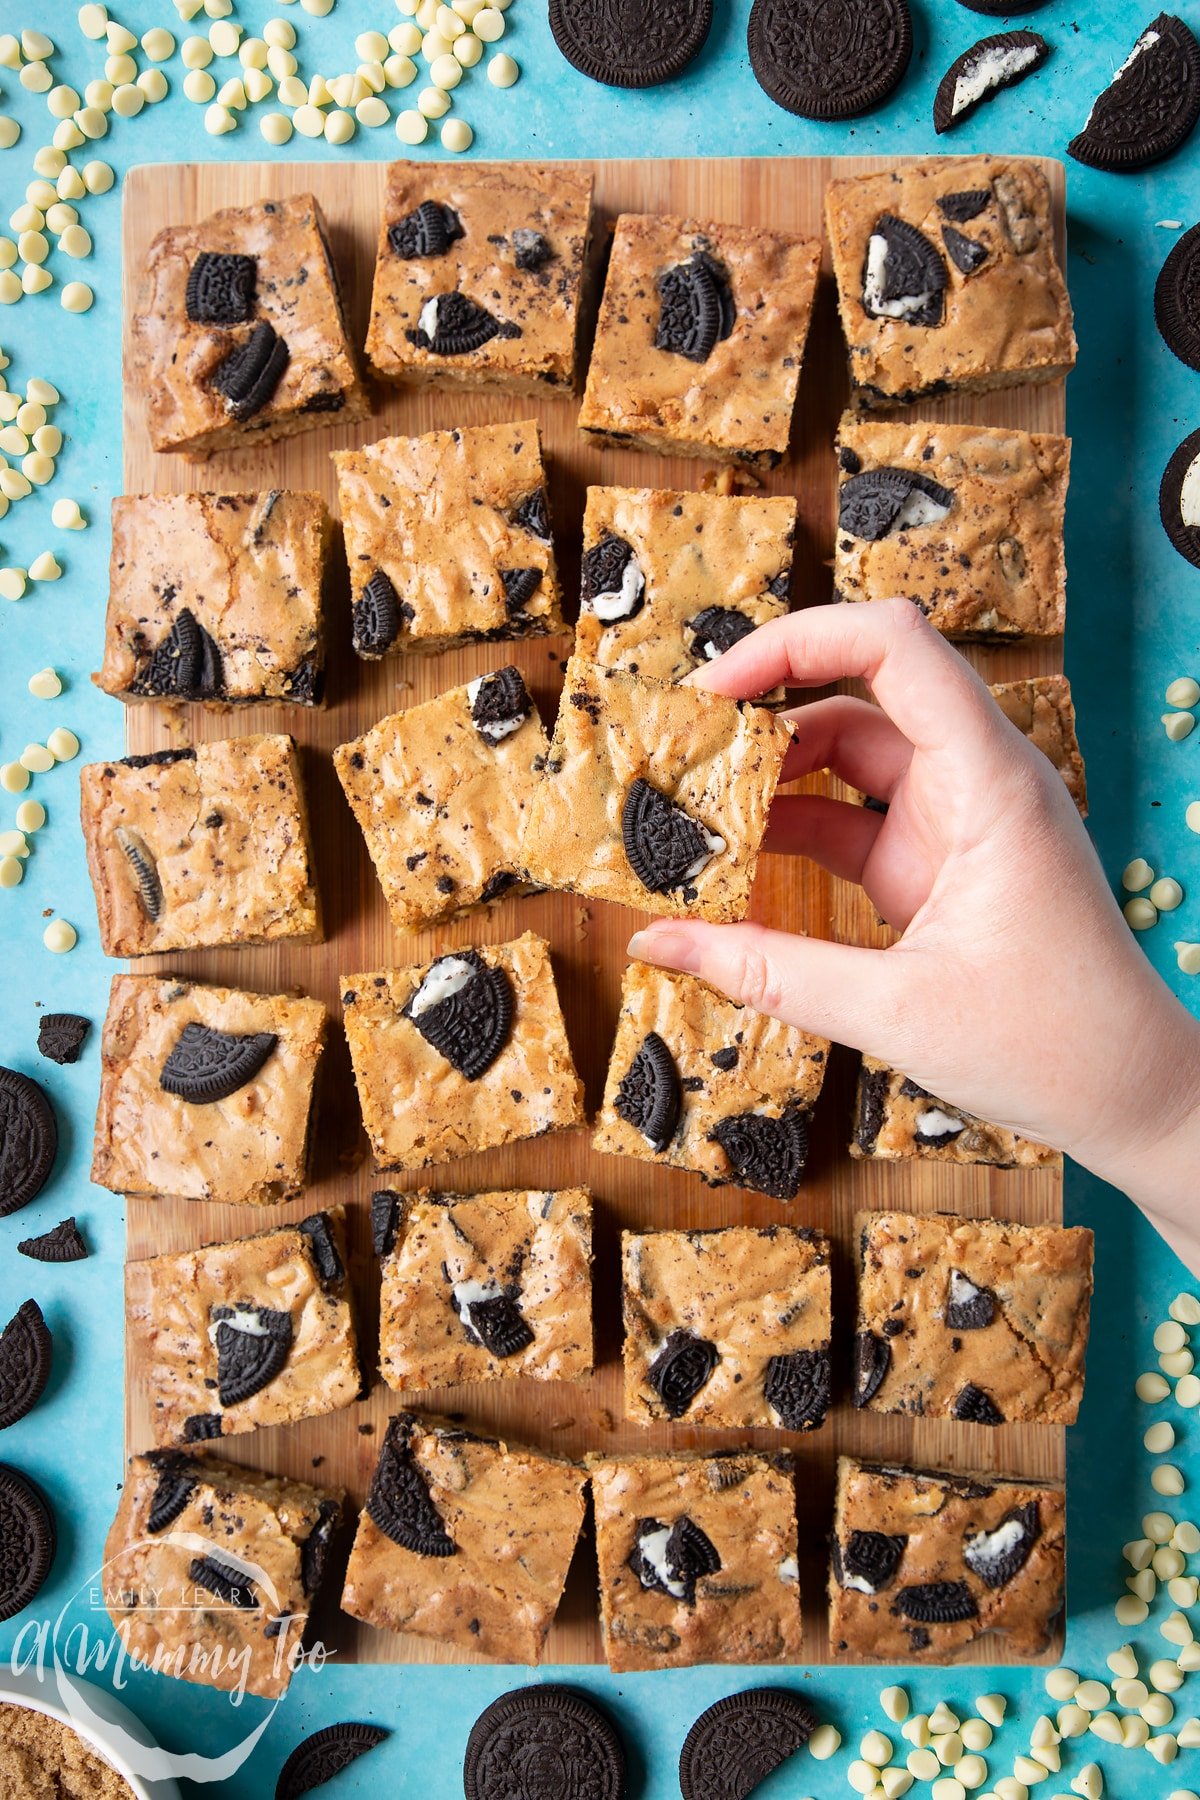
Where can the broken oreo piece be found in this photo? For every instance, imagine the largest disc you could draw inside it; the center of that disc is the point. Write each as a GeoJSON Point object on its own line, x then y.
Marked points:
{"type": "Point", "coordinates": [741, 1740]}
{"type": "Point", "coordinates": [463, 1008]}
{"type": "Point", "coordinates": [228, 1584]}
{"type": "Point", "coordinates": [28, 1140]}
{"type": "Point", "coordinates": [974, 1407]}
{"type": "Point", "coordinates": [967, 254]}
{"type": "Point", "coordinates": [649, 1096]}
{"type": "Point", "coordinates": [520, 585]}
{"type": "Point", "coordinates": [868, 1560]}
{"type": "Point", "coordinates": [671, 1559]}
{"type": "Point", "coordinates": [185, 665]}
{"type": "Point", "coordinates": [630, 47]}
{"type": "Point", "coordinates": [533, 515]}
{"type": "Point", "coordinates": [967, 204]}
{"type": "Point", "coordinates": [968, 1306]}
{"type": "Point", "coordinates": [936, 1603]}
{"type": "Point", "coordinates": [500, 704]}
{"type": "Point", "coordinates": [873, 1087]}
{"type": "Point", "coordinates": [323, 1755]}
{"type": "Point", "coordinates": [26, 1353]}
{"type": "Point", "coordinates": [716, 630]}
{"type": "Point", "coordinates": [872, 1360]}
{"type": "Point", "coordinates": [319, 1232]}
{"type": "Point", "coordinates": [247, 378]}
{"type": "Point", "coordinates": [878, 502]}
{"type": "Point", "coordinates": [387, 1215]}
{"type": "Point", "coordinates": [62, 1245]}
{"type": "Point", "coordinates": [1177, 299]}
{"type": "Point", "coordinates": [314, 1551]}
{"type": "Point", "coordinates": [492, 1318]}
{"type": "Point", "coordinates": [220, 288]}
{"type": "Point", "coordinates": [666, 848]}
{"type": "Point", "coordinates": [253, 1344]}
{"type": "Point", "coordinates": [1150, 106]}
{"type": "Point", "coordinates": [612, 585]}
{"type": "Point", "coordinates": [982, 71]}
{"type": "Point", "coordinates": [697, 308]}
{"type": "Point", "coordinates": [61, 1036]}
{"type": "Point", "coordinates": [399, 1503]}
{"type": "Point", "coordinates": [200, 1427]}
{"type": "Point", "coordinates": [543, 1743]}
{"type": "Point", "coordinates": [378, 615]}
{"type": "Point", "coordinates": [206, 1065]}
{"type": "Point", "coordinates": [531, 249]}
{"type": "Point", "coordinates": [176, 1484]}
{"type": "Point", "coordinates": [681, 1368]}
{"type": "Point", "coordinates": [27, 1541]}
{"type": "Point", "coordinates": [904, 276]}
{"type": "Point", "coordinates": [454, 325]}
{"type": "Point", "coordinates": [996, 1556]}
{"type": "Point", "coordinates": [138, 855]}
{"type": "Point", "coordinates": [829, 62]}
{"type": "Point", "coordinates": [767, 1154]}
{"type": "Point", "coordinates": [796, 1388]}
{"type": "Point", "coordinates": [428, 231]}
{"type": "Point", "coordinates": [1179, 499]}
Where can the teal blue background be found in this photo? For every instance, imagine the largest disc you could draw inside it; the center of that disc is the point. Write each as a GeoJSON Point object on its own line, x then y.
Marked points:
{"type": "Point", "coordinates": [1133, 612]}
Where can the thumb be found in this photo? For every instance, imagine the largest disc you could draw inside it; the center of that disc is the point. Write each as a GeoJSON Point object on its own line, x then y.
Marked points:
{"type": "Point", "coordinates": [859, 997]}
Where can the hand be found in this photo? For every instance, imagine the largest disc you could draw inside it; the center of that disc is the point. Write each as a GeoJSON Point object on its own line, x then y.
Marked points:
{"type": "Point", "coordinates": [1016, 990]}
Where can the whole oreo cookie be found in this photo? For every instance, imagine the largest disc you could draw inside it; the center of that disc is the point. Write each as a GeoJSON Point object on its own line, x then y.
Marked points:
{"type": "Point", "coordinates": [739, 1741]}
{"type": "Point", "coordinates": [26, 1349]}
{"type": "Point", "coordinates": [630, 46]}
{"type": "Point", "coordinates": [1177, 299]}
{"type": "Point", "coordinates": [1179, 500]}
{"type": "Point", "coordinates": [28, 1140]}
{"type": "Point", "coordinates": [826, 61]}
{"type": "Point", "coordinates": [323, 1755]}
{"type": "Point", "coordinates": [543, 1740]}
{"type": "Point", "coordinates": [27, 1541]}
{"type": "Point", "coordinates": [1150, 106]}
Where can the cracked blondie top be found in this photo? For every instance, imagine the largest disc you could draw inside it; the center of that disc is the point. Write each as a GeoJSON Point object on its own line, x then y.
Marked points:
{"type": "Point", "coordinates": [485, 1287]}
{"type": "Point", "coordinates": [948, 278]}
{"type": "Point", "coordinates": [966, 521]}
{"type": "Point", "coordinates": [700, 338]}
{"type": "Point", "coordinates": [478, 275]}
{"type": "Point", "coordinates": [239, 1335]}
{"type": "Point", "coordinates": [442, 793]}
{"type": "Point", "coordinates": [654, 795]}
{"type": "Point", "coordinates": [216, 598]}
{"type": "Point", "coordinates": [464, 1540]}
{"type": "Point", "coordinates": [697, 1558]}
{"type": "Point", "coordinates": [460, 1054]}
{"type": "Point", "coordinates": [924, 1564]}
{"type": "Point", "coordinates": [1042, 708]}
{"type": "Point", "coordinates": [206, 1093]}
{"type": "Point", "coordinates": [894, 1119]}
{"type": "Point", "coordinates": [727, 1327]}
{"type": "Point", "coordinates": [676, 579]}
{"type": "Point", "coordinates": [212, 1569]}
{"type": "Point", "coordinates": [701, 1083]}
{"type": "Point", "coordinates": [973, 1319]}
{"type": "Point", "coordinates": [238, 334]}
{"type": "Point", "coordinates": [192, 848]}
{"type": "Point", "coordinates": [448, 539]}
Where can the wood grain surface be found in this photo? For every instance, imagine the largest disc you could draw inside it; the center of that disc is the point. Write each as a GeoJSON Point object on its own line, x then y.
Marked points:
{"type": "Point", "coordinates": [588, 941]}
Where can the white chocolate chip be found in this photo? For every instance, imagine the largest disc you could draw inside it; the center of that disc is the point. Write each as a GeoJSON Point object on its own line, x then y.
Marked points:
{"type": "Point", "coordinates": [1163, 1749]}
{"type": "Point", "coordinates": [45, 567]}
{"type": "Point", "coordinates": [97, 177]}
{"type": "Point", "coordinates": [876, 1749]}
{"type": "Point", "coordinates": [158, 44]}
{"type": "Point", "coordinates": [1176, 1363]}
{"type": "Point", "coordinates": [1143, 1585]}
{"type": "Point", "coordinates": [1131, 1693]}
{"type": "Point", "coordinates": [1167, 1479]}
{"type": "Point", "coordinates": [1044, 1733]}
{"type": "Point", "coordinates": [1177, 1629]}
{"type": "Point", "coordinates": [276, 127]}
{"type": "Point", "coordinates": [1089, 1782]}
{"type": "Point", "coordinates": [1186, 1537]}
{"type": "Point", "coordinates": [503, 70]}
{"type": "Point", "coordinates": [1167, 1563]}
{"type": "Point", "coordinates": [1136, 875]}
{"type": "Point", "coordinates": [75, 242]}
{"type": "Point", "coordinates": [339, 127]}
{"type": "Point", "coordinates": [1159, 1709]}
{"type": "Point", "coordinates": [861, 1776]}
{"type": "Point", "coordinates": [1187, 956]}
{"type": "Point", "coordinates": [70, 184]}
{"type": "Point", "coordinates": [199, 87]}
{"type": "Point", "coordinates": [91, 120]}
{"type": "Point", "coordinates": [1131, 1611]}
{"type": "Point", "coordinates": [280, 34]}
{"type": "Point", "coordinates": [59, 936]}
{"type": "Point", "coordinates": [309, 121]}
{"type": "Point", "coordinates": [1183, 691]}
{"type": "Point", "coordinates": [10, 51]}
{"type": "Point", "coordinates": [37, 759]}
{"type": "Point", "coordinates": [467, 49]}
{"type": "Point", "coordinates": [1072, 1720]}
{"type": "Point", "coordinates": [948, 1788]}
{"type": "Point", "coordinates": [218, 120]}
{"type": "Point", "coordinates": [10, 131]}
{"type": "Point", "coordinates": [63, 101]}
{"type": "Point", "coordinates": [433, 102]}
{"type": "Point", "coordinates": [63, 743]}
{"type": "Point", "coordinates": [1141, 914]}
{"type": "Point", "coordinates": [825, 1742]}
{"type": "Point", "coordinates": [923, 1765]}
{"type": "Point", "coordinates": [446, 71]}
{"type": "Point", "coordinates": [372, 111]}
{"type": "Point", "coordinates": [45, 684]}
{"type": "Point", "coordinates": [413, 128]}
{"type": "Point", "coordinates": [12, 843]}
{"type": "Point", "coordinates": [12, 584]}
{"type": "Point", "coordinates": [1106, 1725]}
{"type": "Point", "coordinates": [1178, 725]}
{"type": "Point", "coordinates": [1151, 1387]}
{"type": "Point", "coordinates": [1189, 1736]}
{"type": "Point", "coordinates": [120, 39]}
{"type": "Point", "coordinates": [457, 136]}
{"type": "Point", "coordinates": [67, 135]}
{"type": "Point", "coordinates": [1166, 894]}
{"type": "Point", "coordinates": [77, 297]}
{"type": "Point", "coordinates": [947, 1746]}
{"type": "Point", "coordinates": [1028, 1771]}
{"type": "Point", "coordinates": [93, 20]}
{"type": "Point", "coordinates": [120, 70]}
{"type": "Point", "coordinates": [488, 24]}
{"type": "Point", "coordinates": [1184, 1590]}
{"type": "Point", "coordinates": [1159, 1437]}
{"type": "Point", "coordinates": [36, 78]}
{"type": "Point", "coordinates": [31, 815]}
{"type": "Point", "coordinates": [153, 84]}
{"type": "Point", "coordinates": [12, 871]}
{"type": "Point", "coordinates": [224, 36]}
{"type": "Point", "coordinates": [894, 1702]}
{"type": "Point", "coordinates": [1062, 1684]}
{"type": "Point", "coordinates": [976, 1734]}
{"type": "Point", "coordinates": [14, 779]}
{"type": "Point", "coordinates": [401, 71]}
{"type": "Point", "coordinates": [232, 94]}
{"type": "Point", "coordinates": [252, 53]}
{"type": "Point", "coordinates": [992, 1708]}
{"type": "Point", "coordinates": [970, 1772]}
{"type": "Point", "coordinates": [405, 40]}
{"type": "Point", "coordinates": [916, 1730]}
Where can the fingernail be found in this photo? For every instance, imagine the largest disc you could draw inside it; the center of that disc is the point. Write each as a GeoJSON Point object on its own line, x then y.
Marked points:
{"type": "Point", "coordinates": [669, 949]}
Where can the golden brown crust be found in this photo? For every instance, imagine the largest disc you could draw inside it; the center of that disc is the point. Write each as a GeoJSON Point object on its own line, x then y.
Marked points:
{"type": "Point", "coordinates": [896, 1119]}
{"type": "Point", "coordinates": [1042, 708]}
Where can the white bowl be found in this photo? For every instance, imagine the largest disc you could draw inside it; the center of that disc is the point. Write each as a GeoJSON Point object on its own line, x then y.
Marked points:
{"type": "Point", "coordinates": [111, 1719]}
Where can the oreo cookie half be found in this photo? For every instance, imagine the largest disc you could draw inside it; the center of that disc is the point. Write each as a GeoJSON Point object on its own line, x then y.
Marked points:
{"type": "Point", "coordinates": [1149, 108]}
{"type": "Point", "coordinates": [649, 1096]}
{"type": "Point", "coordinates": [767, 1154]}
{"type": "Point", "coordinates": [247, 378]}
{"type": "Point", "coordinates": [825, 61]}
{"type": "Point", "coordinates": [996, 1556]}
{"type": "Point", "coordinates": [399, 1502]}
{"type": "Point", "coordinates": [670, 1559]}
{"type": "Point", "coordinates": [1177, 299]}
{"type": "Point", "coordinates": [206, 1065]}
{"type": "Point", "coordinates": [177, 1479]}
{"type": "Point", "coordinates": [904, 274]}
{"type": "Point", "coordinates": [739, 1742]}
{"type": "Point", "coordinates": [546, 1741]}
{"type": "Point", "coordinates": [26, 1351]}
{"type": "Point", "coordinates": [697, 311]}
{"type": "Point", "coordinates": [429, 230]}
{"type": "Point", "coordinates": [715, 630]}
{"type": "Point", "coordinates": [253, 1344]}
{"type": "Point", "coordinates": [463, 1009]}
{"type": "Point", "coordinates": [796, 1388]}
{"type": "Point", "coordinates": [500, 704]}
{"type": "Point", "coordinates": [665, 846]}
{"type": "Point", "coordinates": [28, 1140]}
{"type": "Point", "coordinates": [874, 504]}
{"type": "Point", "coordinates": [378, 615]}
{"type": "Point", "coordinates": [630, 46]}
{"type": "Point", "coordinates": [982, 71]}
{"type": "Point", "coordinates": [1179, 499]}
{"type": "Point", "coordinates": [221, 288]}
{"type": "Point", "coordinates": [455, 325]}
{"type": "Point", "coordinates": [937, 1603]}
{"type": "Point", "coordinates": [27, 1541]}
{"type": "Point", "coordinates": [323, 1755]}
{"type": "Point", "coordinates": [612, 584]}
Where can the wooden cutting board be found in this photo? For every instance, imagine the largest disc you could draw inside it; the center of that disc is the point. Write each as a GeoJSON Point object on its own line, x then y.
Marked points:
{"type": "Point", "coordinates": [588, 941]}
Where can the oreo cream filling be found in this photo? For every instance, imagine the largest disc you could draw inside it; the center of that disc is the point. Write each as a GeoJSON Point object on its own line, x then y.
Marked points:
{"type": "Point", "coordinates": [903, 306]}
{"type": "Point", "coordinates": [992, 69]}
{"type": "Point", "coordinates": [243, 1318]}
{"type": "Point", "coordinates": [652, 1548]}
{"type": "Point", "coordinates": [473, 1293]}
{"type": "Point", "coordinates": [448, 976]}
{"type": "Point", "coordinates": [494, 730]}
{"type": "Point", "coordinates": [429, 318]}
{"type": "Point", "coordinates": [920, 509]}
{"type": "Point", "coordinates": [934, 1123]}
{"type": "Point", "coordinates": [622, 602]}
{"type": "Point", "coordinates": [1189, 496]}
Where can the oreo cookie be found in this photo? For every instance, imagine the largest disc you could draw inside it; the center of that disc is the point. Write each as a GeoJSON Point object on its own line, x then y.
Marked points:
{"type": "Point", "coordinates": [323, 1755]}
{"type": "Point", "coordinates": [741, 1740]}
{"type": "Point", "coordinates": [1179, 499]}
{"type": "Point", "coordinates": [878, 502]}
{"type": "Point", "coordinates": [520, 585]}
{"type": "Point", "coordinates": [975, 1407]}
{"type": "Point", "coordinates": [144, 869]}
{"type": "Point", "coordinates": [429, 230]}
{"type": "Point", "coordinates": [377, 617]}
{"type": "Point", "coordinates": [492, 1317]}
{"type": "Point", "coordinates": [463, 1009]}
{"type": "Point", "coordinates": [825, 61]}
{"type": "Point", "coordinates": [253, 1344]}
{"type": "Point", "coordinates": [399, 1503]}
{"type": "Point", "coordinates": [681, 1369]}
{"type": "Point", "coordinates": [1151, 105]}
{"type": "Point", "coordinates": [767, 1154]}
{"type": "Point", "coordinates": [28, 1140]}
{"type": "Point", "coordinates": [62, 1245]}
{"type": "Point", "coordinates": [697, 310]}
{"type": "Point", "coordinates": [247, 378]}
{"type": "Point", "coordinates": [177, 1480]}
{"type": "Point", "coordinates": [1177, 299]}
{"type": "Point", "coordinates": [201, 1427]}
{"type": "Point", "coordinates": [322, 1245]}
{"type": "Point", "coordinates": [966, 253]}
{"type": "Point", "coordinates": [314, 1551]}
{"type": "Point", "coordinates": [27, 1541]}
{"type": "Point", "coordinates": [649, 1096]}
{"type": "Point", "coordinates": [872, 1360]}
{"type": "Point", "coordinates": [543, 1743]}
{"type": "Point", "coordinates": [185, 665]}
{"type": "Point", "coordinates": [630, 47]}
{"type": "Point", "coordinates": [868, 1560]}
{"type": "Point", "coordinates": [387, 1214]}
{"type": "Point", "coordinates": [997, 1556]}
{"type": "Point", "coordinates": [716, 630]}
{"type": "Point", "coordinates": [904, 274]}
{"type": "Point", "coordinates": [981, 72]}
{"type": "Point", "coordinates": [220, 288]}
{"type": "Point", "coordinates": [61, 1036]}
{"type": "Point", "coordinates": [206, 1065]}
{"type": "Point", "coordinates": [666, 848]}
{"type": "Point", "coordinates": [532, 250]}
{"type": "Point", "coordinates": [796, 1388]}
{"type": "Point", "coordinates": [533, 515]}
{"type": "Point", "coordinates": [969, 1307]}
{"type": "Point", "coordinates": [500, 703]}
{"type": "Point", "coordinates": [227, 1584]}
{"type": "Point", "coordinates": [670, 1559]}
{"type": "Point", "coordinates": [454, 325]}
{"type": "Point", "coordinates": [26, 1352]}
{"type": "Point", "coordinates": [612, 584]}
{"type": "Point", "coordinates": [936, 1603]}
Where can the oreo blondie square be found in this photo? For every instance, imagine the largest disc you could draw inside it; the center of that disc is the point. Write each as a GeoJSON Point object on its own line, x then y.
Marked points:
{"type": "Point", "coordinates": [210, 1571]}
{"type": "Point", "coordinates": [484, 1287]}
{"type": "Point", "coordinates": [460, 1054]}
{"type": "Point", "coordinates": [966, 521]}
{"type": "Point", "coordinates": [478, 275]}
{"type": "Point", "coordinates": [192, 848]}
{"type": "Point", "coordinates": [895, 1119]}
{"type": "Point", "coordinates": [216, 598]}
{"type": "Point", "coordinates": [654, 795]}
{"type": "Point", "coordinates": [974, 1319]}
{"type": "Point", "coordinates": [442, 793]}
{"type": "Point", "coordinates": [697, 1558]}
{"type": "Point", "coordinates": [700, 339]}
{"type": "Point", "coordinates": [448, 540]}
{"type": "Point", "coordinates": [675, 579]}
{"type": "Point", "coordinates": [238, 334]}
{"type": "Point", "coordinates": [465, 1540]}
{"type": "Point", "coordinates": [948, 278]}
{"type": "Point", "coordinates": [206, 1093]}
{"type": "Point", "coordinates": [1042, 709]}
{"type": "Point", "coordinates": [698, 1082]}
{"type": "Point", "coordinates": [240, 1335]}
{"type": "Point", "coordinates": [727, 1328]}
{"type": "Point", "coordinates": [924, 1564]}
